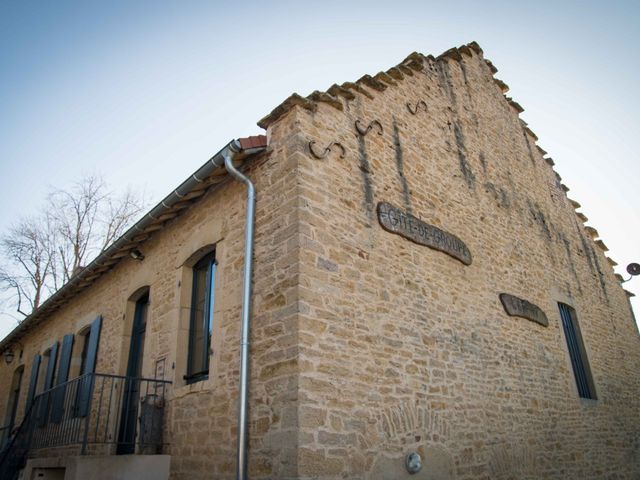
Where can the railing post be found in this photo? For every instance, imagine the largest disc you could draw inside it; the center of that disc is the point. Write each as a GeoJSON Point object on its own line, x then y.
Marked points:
{"type": "Point", "coordinates": [85, 440]}
{"type": "Point", "coordinates": [31, 417]}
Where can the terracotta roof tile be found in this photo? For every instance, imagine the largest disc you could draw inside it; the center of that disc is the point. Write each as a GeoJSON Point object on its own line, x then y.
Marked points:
{"type": "Point", "coordinates": [256, 141]}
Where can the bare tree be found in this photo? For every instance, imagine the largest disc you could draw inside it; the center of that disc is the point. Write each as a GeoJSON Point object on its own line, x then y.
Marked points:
{"type": "Point", "coordinates": [26, 247]}
{"type": "Point", "coordinates": [39, 255]}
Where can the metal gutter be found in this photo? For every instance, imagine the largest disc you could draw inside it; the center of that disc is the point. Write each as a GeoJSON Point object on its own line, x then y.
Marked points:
{"type": "Point", "coordinates": [243, 399]}
{"type": "Point", "coordinates": [126, 242]}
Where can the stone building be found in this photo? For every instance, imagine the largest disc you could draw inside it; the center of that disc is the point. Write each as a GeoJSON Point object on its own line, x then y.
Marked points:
{"type": "Point", "coordinates": [424, 294]}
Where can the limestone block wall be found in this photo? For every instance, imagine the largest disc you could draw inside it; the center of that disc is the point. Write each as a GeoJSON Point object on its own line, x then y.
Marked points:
{"type": "Point", "coordinates": [404, 348]}
{"type": "Point", "coordinates": [201, 417]}
{"type": "Point", "coordinates": [203, 436]}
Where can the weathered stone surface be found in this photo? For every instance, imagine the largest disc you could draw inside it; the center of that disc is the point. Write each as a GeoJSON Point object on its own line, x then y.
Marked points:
{"type": "Point", "coordinates": [517, 307]}
{"type": "Point", "coordinates": [396, 221]}
{"type": "Point", "coordinates": [326, 97]}
{"type": "Point", "coordinates": [437, 464]}
{"type": "Point", "coordinates": [592, 232]}
{"type": "Point", "coordinates": [371, 82]}
{"type": "Point", "coordinates": [284, 108]}
{"type": "Point", "coordinates": [504, 88]}
{"type": "Point", "coordinates": [491, 66]}
{"type": "Point", "coordinates": [337, 90]}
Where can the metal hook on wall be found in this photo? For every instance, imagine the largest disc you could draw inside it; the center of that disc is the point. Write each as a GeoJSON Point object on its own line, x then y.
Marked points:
{"type": "Point", "coordinates": [414, 110]}
{"type": "Point", "coordinates": [363, 131]}
{"type": "Point", "coordinates": [326, 151]}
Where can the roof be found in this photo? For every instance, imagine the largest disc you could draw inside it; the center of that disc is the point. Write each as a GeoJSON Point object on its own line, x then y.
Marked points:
{"type": "Point", "coordinates": [210, 174]}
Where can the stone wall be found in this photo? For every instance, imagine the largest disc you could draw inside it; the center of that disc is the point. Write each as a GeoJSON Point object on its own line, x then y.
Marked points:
{"type": "Point", "coordinates": [404, 348]}
{"type": "Point", "coordinates": [201, 417]}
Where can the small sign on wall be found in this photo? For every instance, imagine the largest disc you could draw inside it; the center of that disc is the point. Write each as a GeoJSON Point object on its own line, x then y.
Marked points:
{"type": "Point", "coordinates": [517, 307]}
{"type": "Point", "coordinates": [159, 373]}
{"type": "Point", "coordinates": [406, 225]}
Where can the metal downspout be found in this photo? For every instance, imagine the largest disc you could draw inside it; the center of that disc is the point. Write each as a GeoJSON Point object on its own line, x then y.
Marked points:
{"type": "Point", "coordinates": [243, 401]}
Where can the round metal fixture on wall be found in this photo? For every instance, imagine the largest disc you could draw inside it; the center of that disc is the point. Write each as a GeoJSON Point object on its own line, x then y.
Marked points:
{"type": "Point", "coordinates": [413, 462]}
{"type": "Point", "coordinates": [633, 269]}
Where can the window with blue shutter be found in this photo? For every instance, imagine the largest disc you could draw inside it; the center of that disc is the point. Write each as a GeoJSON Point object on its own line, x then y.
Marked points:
{"type": "Point", "coordinates": [577, 352]}
{"type": "Point", "coordinates": [85, 386]}
{"type": "Point", "coordinates": [33, 381]}
{"type": "Point", "coordinates": [43, 410]}
{"type": "Point", "coordinates": [57, 408]}
{"type": "Point", "coordinates": [12, 403]}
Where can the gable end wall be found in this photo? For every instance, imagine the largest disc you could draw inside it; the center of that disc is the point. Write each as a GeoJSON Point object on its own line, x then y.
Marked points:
{"type": "Point", "coordinates": [404, 348]}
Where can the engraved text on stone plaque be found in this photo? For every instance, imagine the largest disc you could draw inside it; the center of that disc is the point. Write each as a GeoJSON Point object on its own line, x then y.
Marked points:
{"type": "Point", "coordinates": [406, 225]}
{"type": "Point", "coordinates": [518, 307]}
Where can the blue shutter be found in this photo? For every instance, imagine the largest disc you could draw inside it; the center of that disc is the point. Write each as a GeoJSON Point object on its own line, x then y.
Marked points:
{"type": "Point", "coordinates": [43, 411]}
{"type": "Point", "coordinates": [86, 384]}
{"type": "Point", "coordinates": [51, 367]}
{"type": "Point", "coordinates": [92, 349]}
{"type": "Point", "coordinates": [57, 409]}
{"type": "Point", "coordinates": [33, 381]}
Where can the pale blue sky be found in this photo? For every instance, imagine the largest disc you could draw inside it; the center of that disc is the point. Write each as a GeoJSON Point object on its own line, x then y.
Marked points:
{"type": "Point", "coordinates": [145, 92]}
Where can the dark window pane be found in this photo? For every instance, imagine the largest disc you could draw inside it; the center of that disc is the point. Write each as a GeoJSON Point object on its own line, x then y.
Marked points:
{"type": "Point", "coordinates": [83, 353]}
{"type": "Point", "coordinates": [201, 318]}
{"type": "Point", "coordinates": [577, 352]}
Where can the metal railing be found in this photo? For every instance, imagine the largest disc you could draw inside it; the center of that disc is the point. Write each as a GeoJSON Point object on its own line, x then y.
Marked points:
{"type": "Point", "coordinates": [107, 413]}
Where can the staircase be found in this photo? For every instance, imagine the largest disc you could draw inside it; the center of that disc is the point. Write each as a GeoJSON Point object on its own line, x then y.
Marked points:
{"type": "Point", "coordinates": [109, 413]}
{"type": "Point", "coordinates": [13, 456]}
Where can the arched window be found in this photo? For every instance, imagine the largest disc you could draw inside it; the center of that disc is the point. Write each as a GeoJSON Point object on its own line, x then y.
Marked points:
{"type": "Point", "coordinates": [137, 311]}
{"type": "Point", "coordinates": [12, 404]}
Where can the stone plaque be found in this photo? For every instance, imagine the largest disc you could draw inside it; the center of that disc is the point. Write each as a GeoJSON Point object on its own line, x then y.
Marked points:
{"type": "Point", "coordinates": [517, 307]}
{"type": "Point", "coordinates": [406, 225]}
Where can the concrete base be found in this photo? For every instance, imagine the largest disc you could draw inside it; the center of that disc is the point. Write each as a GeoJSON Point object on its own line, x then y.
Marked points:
{"type": "Point", "coordinates": [107, 467]}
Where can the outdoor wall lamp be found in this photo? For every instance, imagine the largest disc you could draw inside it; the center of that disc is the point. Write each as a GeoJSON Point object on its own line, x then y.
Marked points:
{"type": "Point", "coordinates": [9, 356]}
{"type": "Point", "coordinates": [136, 254]}
{"type": "Point", "coordinates": [633, 269]}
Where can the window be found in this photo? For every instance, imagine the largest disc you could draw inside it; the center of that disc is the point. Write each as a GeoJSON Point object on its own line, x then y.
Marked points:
{"type": "Point", "coordinates": [48, 368]}
{"type": "Point", "coordinates": [579, 361]}
{"type": "Point", "coordinates": [84, 386]}
{"type": "Point", "coordinates": [12, 404]}
{"type": "Point", "coordinates": [84, 341]}
{"type": "Point", "coordinates": [59, 393]}
{"type": "Point", "coordinates": [201, 318]}
{"type": "Point", "coordinates": [51, 357]}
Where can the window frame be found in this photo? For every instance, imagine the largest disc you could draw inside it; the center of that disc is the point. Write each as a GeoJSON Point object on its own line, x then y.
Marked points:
{"type": "Point", "coordinates": [209, 263]}
{"type": "Point", "coordinates": [13, 401]}
{"type": "Point", "coordinates": [84, 335]}
{"type": "Point", "coordinates": [580, 366]}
